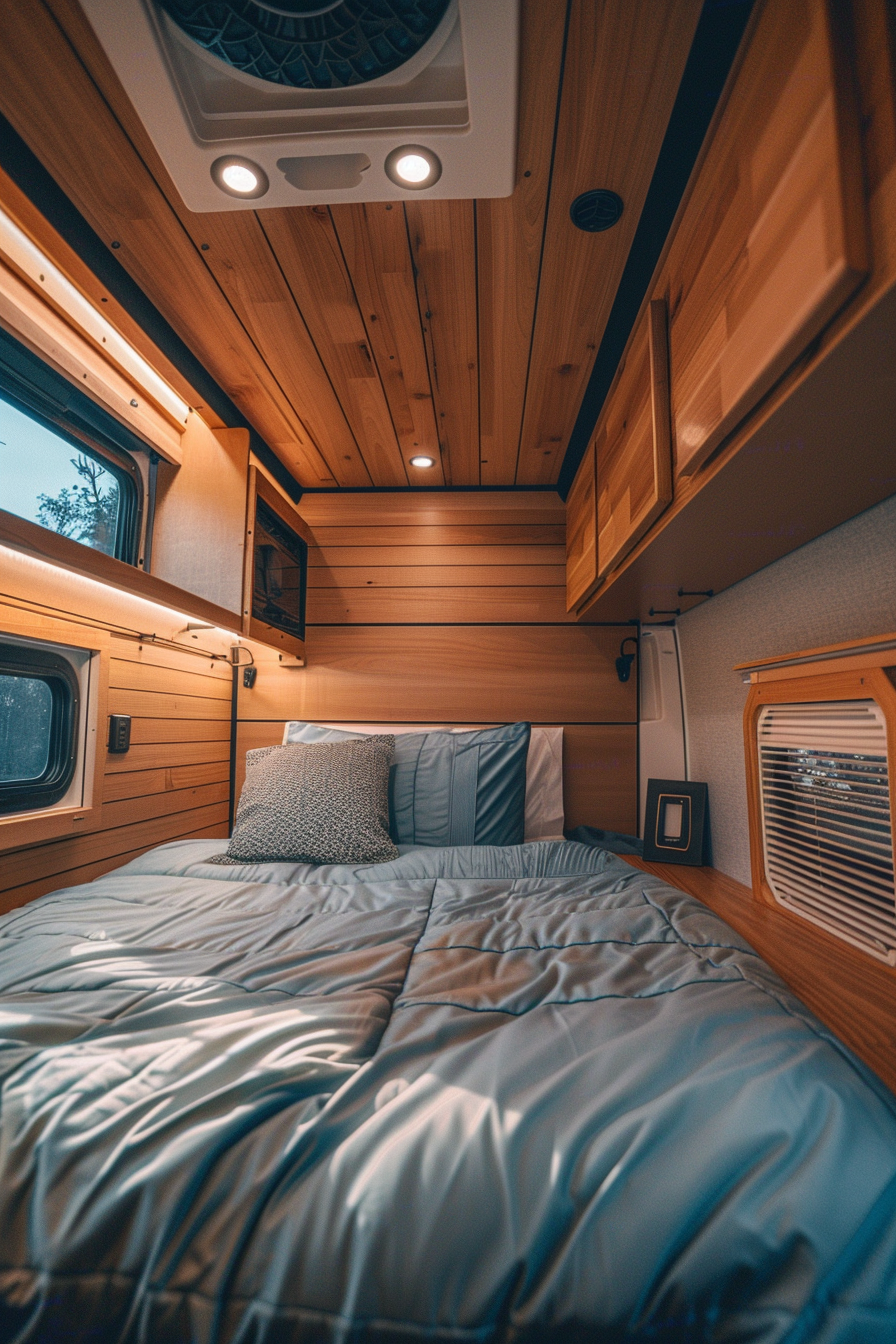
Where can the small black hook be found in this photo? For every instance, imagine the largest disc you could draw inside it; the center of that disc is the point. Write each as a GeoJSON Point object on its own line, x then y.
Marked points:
{"type": "Point", "coordinates": [625, 660]}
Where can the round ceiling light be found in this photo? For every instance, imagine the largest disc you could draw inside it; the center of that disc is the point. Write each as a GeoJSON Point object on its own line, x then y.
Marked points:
{"type": "Point", "coordinates": [240, 177]}
{"type": "Point", "coordinates": [413, 167]}
{"type": "Point", "coordinates": [421, 460]}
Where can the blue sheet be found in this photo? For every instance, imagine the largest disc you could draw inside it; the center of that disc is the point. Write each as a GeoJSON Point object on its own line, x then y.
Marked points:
{"type": "Point", "coordinates": [483, 1094]}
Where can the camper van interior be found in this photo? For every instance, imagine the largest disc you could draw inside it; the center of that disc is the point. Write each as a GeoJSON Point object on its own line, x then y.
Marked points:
{"type": "Point", "coordinates": [447, 671]}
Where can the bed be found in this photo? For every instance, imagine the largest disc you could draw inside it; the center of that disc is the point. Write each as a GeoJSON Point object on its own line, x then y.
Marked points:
{"type": "Point", "coordinates": [478, 1093]}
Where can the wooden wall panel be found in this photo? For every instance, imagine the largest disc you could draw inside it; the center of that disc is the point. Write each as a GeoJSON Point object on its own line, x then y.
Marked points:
{"type": "Point", "coordinates": [599, 770]}
{"type": "Point", "coordinates": [174, 782]}
{"type": "Point", "coordinates": [471, 628]}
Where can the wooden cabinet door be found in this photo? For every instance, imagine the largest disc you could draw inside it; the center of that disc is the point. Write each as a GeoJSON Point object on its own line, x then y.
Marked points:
{"type": "Point", "coordinates": [581, 534]}
{"type": "Point", "coordinates": [633, 444]}
{"type": "Point", "coordinates": [773, 237]}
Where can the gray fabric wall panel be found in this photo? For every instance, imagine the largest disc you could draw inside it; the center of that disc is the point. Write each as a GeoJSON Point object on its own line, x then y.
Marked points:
{"type": "Point", "coordinates": [840, 586]}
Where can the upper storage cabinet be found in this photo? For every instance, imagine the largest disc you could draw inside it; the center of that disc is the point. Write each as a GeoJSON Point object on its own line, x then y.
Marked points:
{"type": "Point", "coordinates": [581, 533]}
{"type": "Point", "coordinates": [772, 240]}
{"type": "Point", "coordinates": [779, 278]}
{"type": "Point", "coordinates": [634, 465]}
{"type": "Point", "coordinates": [625, 479]}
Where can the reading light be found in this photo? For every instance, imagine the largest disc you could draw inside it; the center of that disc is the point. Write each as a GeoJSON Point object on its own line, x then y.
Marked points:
{"type": "Point", "coordinates": [413, 167]}
{"type": "Point", "coordinates": [240, 177]}
{"type": "Point", "coordinates": [422, 461]}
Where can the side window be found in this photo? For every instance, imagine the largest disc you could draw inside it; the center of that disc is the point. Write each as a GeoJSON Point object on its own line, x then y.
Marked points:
{"type": "Point", "coordinates": [57, 479]}
{"type": "Point", "coordinates": [39, 703]}
{"type": "Point", "coordinates": [66, 463]}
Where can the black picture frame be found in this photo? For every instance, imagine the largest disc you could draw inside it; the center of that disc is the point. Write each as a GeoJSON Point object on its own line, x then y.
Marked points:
{"type": "Point", "coordinates": [675, 822]}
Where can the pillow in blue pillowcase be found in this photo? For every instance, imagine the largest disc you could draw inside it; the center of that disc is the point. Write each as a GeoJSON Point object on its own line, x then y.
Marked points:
{"type": "Point", "coordinates": [450, 788]}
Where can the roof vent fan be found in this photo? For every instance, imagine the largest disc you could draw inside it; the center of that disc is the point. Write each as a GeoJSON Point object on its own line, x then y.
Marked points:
{"type": "Point", "coordinates": [257, 103]}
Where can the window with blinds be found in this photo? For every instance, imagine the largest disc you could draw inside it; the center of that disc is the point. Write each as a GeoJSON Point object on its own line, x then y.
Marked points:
{"type": "Point", "coordinates": [825, 796]}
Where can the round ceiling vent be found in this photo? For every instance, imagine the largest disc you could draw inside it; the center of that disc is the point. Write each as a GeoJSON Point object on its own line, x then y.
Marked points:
{"type": "Point", "coordinates": [596, 210]}
{"type": "Point", "coordinates": [310, 44]}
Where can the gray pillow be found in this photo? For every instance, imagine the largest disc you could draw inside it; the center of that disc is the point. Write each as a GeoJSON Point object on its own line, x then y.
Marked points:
{"type": "Point", "coordinates": [318, 803]}
{"type": "Point", "coordinates": [450, 788]}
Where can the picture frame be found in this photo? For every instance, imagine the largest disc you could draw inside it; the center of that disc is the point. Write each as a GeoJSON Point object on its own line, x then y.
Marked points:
{"type": "Point", "coordinates": [675, 822]}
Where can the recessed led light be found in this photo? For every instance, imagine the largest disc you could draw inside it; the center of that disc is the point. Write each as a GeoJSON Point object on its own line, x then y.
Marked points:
{"type": "Point", "coordinates": [422, 461]}
{"type": "Point", "coordinates": [413, 167]}
{"type": "Point", "coordinates": [240, 177]}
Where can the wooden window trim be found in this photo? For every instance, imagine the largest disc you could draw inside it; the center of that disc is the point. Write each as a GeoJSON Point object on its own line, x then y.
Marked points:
{"type": "Point", "coordinates": [20, 829]}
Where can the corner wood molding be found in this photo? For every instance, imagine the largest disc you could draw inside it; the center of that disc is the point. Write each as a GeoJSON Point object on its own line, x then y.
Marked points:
{"type": "Point", "coordinates": [58, 550]}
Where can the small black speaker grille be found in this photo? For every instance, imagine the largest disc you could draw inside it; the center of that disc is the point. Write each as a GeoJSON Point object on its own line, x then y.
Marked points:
{"type": "Point", "coordinates": [596, 210]}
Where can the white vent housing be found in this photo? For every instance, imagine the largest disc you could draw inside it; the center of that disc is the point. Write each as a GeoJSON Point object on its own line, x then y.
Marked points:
{"type": "Point", "coordinates": [456, 97]}
{"type": "Point", "coordinates": [826, 822]}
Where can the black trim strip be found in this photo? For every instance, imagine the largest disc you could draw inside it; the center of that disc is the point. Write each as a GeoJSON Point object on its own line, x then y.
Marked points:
{"type": "Point", "coordinates": [463, 625]}
{"type": "Point", "coordinates": [43, 191]}
{"type": "Point", "coordinates": [536, 723]}
{"type": "Point", "coordinates": [430, 490]}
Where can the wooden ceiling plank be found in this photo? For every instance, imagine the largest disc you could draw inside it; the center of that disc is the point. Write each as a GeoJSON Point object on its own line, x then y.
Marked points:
{"type": "Point", "coordinates": [622, 70]}
{"type": "Point", "coordinates": [307, 249]}
{"type": "Point", "coordinates": [443, 246]}
{"type": "Point", "coordinates": [509, 233]}
{"type": "Point", "coordinates": [236, 250]}
{"type": "Point", "coordinates": [44, 84]}
{"type": "Point", "coordinates": [374, 243]}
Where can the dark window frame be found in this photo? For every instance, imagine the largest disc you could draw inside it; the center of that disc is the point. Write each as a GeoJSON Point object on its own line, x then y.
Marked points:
{"type": "Point", "coordinates": [23, 660]}
{"type": "Point", "coordinates": [37, 391]}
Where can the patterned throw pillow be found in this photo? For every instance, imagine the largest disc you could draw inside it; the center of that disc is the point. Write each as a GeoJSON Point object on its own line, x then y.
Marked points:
{"type": "Point", "coordinates": [326, 802]}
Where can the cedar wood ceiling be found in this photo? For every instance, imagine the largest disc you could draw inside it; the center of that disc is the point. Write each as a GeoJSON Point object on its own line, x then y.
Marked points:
{"type": "Point", "coordinates": [353, 336]}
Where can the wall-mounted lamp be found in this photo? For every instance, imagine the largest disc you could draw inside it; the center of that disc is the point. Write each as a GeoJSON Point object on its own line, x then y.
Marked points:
{"type": "Point", "coordinates": [625, 660]}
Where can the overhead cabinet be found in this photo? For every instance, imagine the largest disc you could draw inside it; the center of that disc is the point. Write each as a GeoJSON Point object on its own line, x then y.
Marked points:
{"type": "Point", "coordinates": [770, 243]}
{"type": "Point", "coordinates": [625, 479]}
{"type": "Point", "coordinates": [773, 239]}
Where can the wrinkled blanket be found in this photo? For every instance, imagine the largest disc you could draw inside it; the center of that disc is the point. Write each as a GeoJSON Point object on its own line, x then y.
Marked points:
{"type": "Point", "coordinates": [479, 1094]}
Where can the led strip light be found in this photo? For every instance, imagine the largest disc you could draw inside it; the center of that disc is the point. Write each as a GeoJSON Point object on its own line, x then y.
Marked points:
{"type": "Point", "coordinates": [28, 258]}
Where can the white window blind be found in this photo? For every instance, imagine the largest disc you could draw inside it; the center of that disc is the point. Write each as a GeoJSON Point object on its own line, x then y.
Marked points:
{"type": "Point", "coordinates": [826, 818]}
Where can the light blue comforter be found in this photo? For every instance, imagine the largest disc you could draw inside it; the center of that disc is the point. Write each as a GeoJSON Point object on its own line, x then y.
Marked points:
{"type": "Point", "coordinates": [486, 1094]}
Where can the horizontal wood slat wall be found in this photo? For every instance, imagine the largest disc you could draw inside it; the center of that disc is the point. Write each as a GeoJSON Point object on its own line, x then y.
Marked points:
{"type": "Point", "coordinates": [450, 608]}
{"type": "Point", "coordinates": [174, 782]}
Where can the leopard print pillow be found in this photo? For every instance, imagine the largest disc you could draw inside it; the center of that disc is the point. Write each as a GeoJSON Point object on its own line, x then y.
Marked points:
{"type": "Point", "coordinates": [324, 802]}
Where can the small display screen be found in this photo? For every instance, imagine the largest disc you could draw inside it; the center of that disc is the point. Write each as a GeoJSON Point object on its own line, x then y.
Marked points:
{"type": "Point", "coordinates": [672, 821]}
{"type": "Point", "coordinates": [281, 566]}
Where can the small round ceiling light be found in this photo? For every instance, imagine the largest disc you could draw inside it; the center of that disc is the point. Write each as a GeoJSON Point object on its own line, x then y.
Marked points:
{"type": "Point", "coordinates": [413, 167]}
{"type": "Point", "coordinates": [595, 211]}
{"type": "Point", "coordinates": [421, 460]}
{"type": "Point", "coordinates": [240, 177]}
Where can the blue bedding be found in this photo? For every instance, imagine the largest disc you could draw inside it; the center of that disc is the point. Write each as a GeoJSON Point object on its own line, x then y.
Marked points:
{"type": "Point", "coordinates": [477, 1094]}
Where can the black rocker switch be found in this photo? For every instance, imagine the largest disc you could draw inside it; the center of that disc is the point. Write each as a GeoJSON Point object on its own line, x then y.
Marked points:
{"type": "Point", "coordinates": [119, 733]}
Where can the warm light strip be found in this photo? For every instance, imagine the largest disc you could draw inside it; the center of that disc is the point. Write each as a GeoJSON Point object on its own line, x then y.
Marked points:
{"type": "Point", "coordinates": [29, 259]}
{"type": "Point", "coordinates": [156, 612]}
